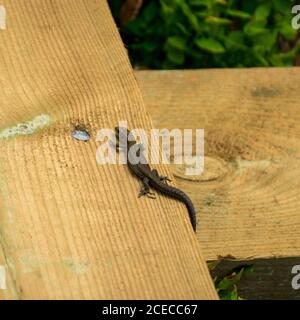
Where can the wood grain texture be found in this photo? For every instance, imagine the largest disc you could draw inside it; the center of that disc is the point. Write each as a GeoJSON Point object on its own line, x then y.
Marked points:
{"type": "Point", "coordinates": [248, 199]}
{"type": "Point", "coordinates": [71, 228]}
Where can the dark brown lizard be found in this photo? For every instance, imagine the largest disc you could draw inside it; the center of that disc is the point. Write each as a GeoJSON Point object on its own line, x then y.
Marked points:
{"type": "Point", "coordinates": [151, 178]}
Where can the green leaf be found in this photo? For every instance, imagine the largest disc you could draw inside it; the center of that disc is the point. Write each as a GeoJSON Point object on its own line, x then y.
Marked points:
{"type": "Point", "coordinates": [238, 14]}
{"type": "Point", "coordinates": [227, 287]}
{"type": "Point", "coordinates": [201, 14]}
{"type": "Point", "coordinates": [235, 41]}
{"type": "Point", "coordinates": [166, 8]}
{"type": "Point", "coordinates": [259, 54]}
{"type": "Point", "coordinates": [145, 46]}
{"type": "Point", "coordinates": [177, 42]}
{"type": "Point", "coordinates": [135, 27]}
{"type": "Point", "coordinates": [248, 269]}
{"type": "Point", "coordinates": [286, 29]}
{"type": "Point", "coordinates": [175, 56]}
{"type": "Point", "coordinates": [262, 12]}
{"type": "Point", "coordinates": [282, 6]}
{"type": "Point", "coordinates": [267, 40]}
{"type": "Point", "coordinates": [213, 264]}
{"type": "Point", "coordinates": [210, 45]}
{"type": "Point", "coordinates": [182, 28]}
{"type": "Point", "coordinates": [254, 28]}
{"type": "Point", "coordinates": [276, 61]}
{"type": "Point", "coordinates": [217, 20]}
{"type": "Point", "coordinates": [248, 6]}
{"type": "Point", "coordinates": [230, 281]}
{"type": "Point", "coordinates": [149, 12]}
{"type": "Point", "coordinates": [200, 3]}
{"type": "Point", "coordinates": [229, 294]}
{"type": "Point", "coordinates": [221, 2]}
{"type": "Point", "coordinates": [190, 15]}
{"type": "Point", "coordinates": [287, 57]}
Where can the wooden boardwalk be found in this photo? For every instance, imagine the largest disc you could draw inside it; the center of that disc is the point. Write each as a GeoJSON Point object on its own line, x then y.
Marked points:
{"type": "Point", "coordinates": [69, 228]}
{"type": "Point", "coordinates": [248, 199]}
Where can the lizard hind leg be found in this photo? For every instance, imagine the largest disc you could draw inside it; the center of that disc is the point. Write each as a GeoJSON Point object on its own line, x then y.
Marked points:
{"type": "Point", "coordinates": [164, 179]}
{"type": "Point", "coordinates": [145, 191]}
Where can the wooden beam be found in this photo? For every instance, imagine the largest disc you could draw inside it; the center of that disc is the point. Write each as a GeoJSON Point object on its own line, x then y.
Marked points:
{"type": "Point", "coordinates": [248, 199]}
{"type": "Point", "coordinates": [70, 228]}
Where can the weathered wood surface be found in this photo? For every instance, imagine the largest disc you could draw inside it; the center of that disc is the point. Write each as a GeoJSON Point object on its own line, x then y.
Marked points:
{"type": "Point", "coordinates": [71, 228]}
{"type": "Point", "coordinates": [248, 199]}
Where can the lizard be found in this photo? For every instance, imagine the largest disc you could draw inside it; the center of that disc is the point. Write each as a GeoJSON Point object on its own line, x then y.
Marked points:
{"type": "Point", "coordinates": [150, 177]}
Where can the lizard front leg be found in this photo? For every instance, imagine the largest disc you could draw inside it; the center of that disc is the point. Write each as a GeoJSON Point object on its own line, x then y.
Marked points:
{"type": "Point", "coordinates": [145, 191]}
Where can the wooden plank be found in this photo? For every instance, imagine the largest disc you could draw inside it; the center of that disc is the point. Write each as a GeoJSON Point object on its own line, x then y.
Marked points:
{"type": "Point", "coordinates": [71, 228]}
{"type": "Point", "coordinates": [248, 199]}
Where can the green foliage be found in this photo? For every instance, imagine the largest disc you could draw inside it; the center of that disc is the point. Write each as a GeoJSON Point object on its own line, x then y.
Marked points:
{"type": "Point", "coordinates": [171, 34]}
{"type": "Point", "coordinates": [227, 286]}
